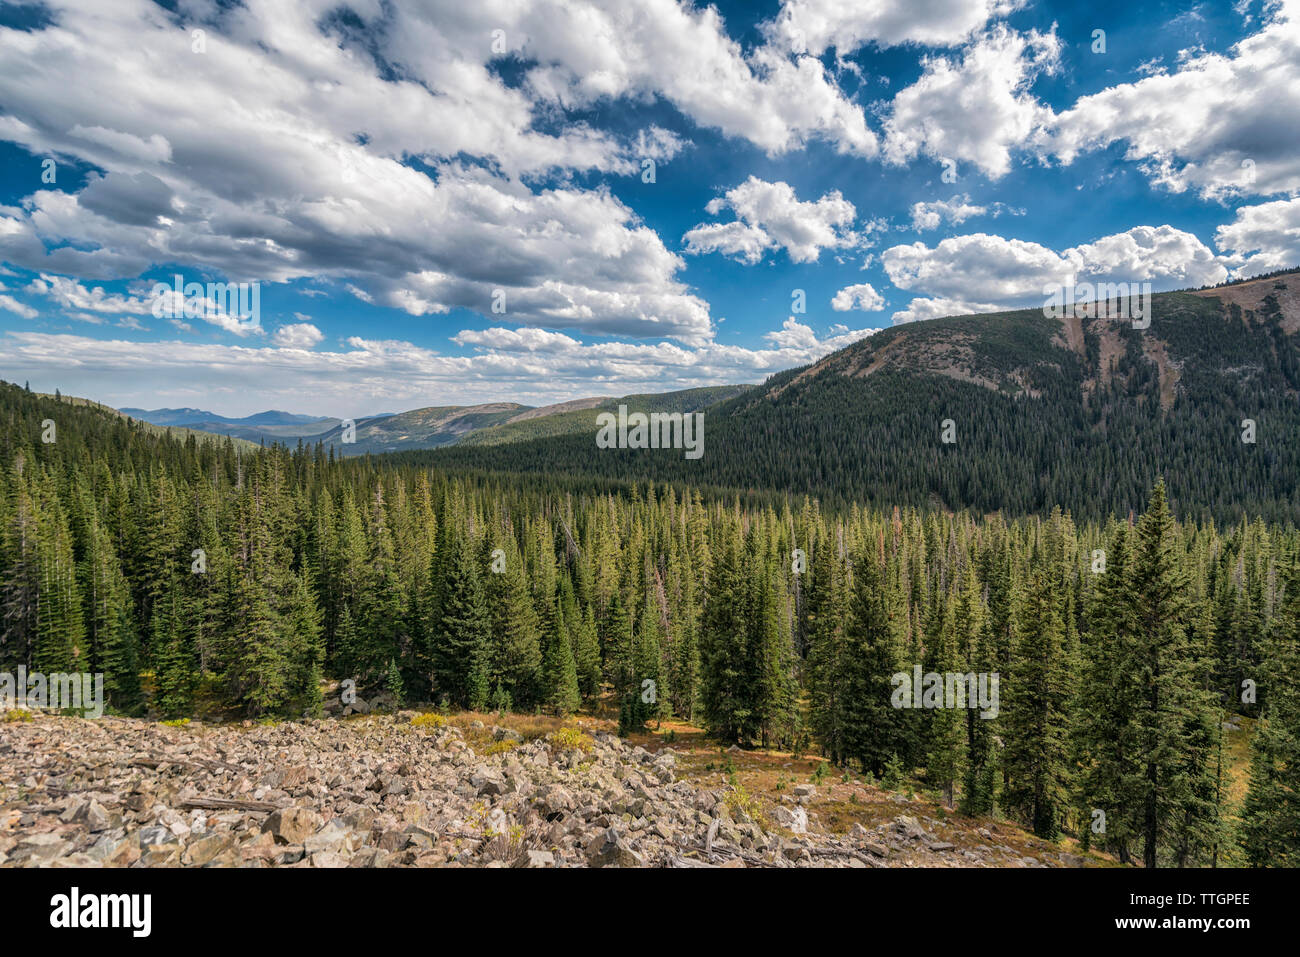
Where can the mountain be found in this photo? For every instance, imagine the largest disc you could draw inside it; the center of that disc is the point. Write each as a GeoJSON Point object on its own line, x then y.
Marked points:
{"type": "Point", "coordinates": [188, 417]}
{"type": "Point", "coordinates": [1082, 412]}
{"type": "Point", "coordinates": [171, 416]}
{"type": "Point", "coordinates": [270, 426]}
{"type": "Point", "coordinates": [164, 428]}
{"type": "Point", "coordinates": [576, 416]}
{"type": "Point", "coordinates": [419, 428]}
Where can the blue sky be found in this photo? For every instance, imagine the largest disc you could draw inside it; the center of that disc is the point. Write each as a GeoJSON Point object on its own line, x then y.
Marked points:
{"type": "Point", "coordinates": [385, 176]}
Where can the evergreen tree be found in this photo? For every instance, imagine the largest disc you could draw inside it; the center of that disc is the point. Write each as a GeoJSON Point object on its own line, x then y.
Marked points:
{"type": "Point", "coordinates": [873, 726]}
{"type": "Point", "coordinates": [462, 646]}
{"type": "Point", "coordinates": [1271, 814]}
{"type": "Point", "coordinates": [1037, 749]}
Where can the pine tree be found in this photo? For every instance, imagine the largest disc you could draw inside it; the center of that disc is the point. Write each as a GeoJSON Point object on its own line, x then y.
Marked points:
{"type": "Point", "coordinates": [60, 627]}
{"type": "Point", "coordinates": [305, 648]}
{"type": "Point", "coordinates": [463, 631]}
{"type": "Point", "coordinates": [873, 726]}
{"type": "Point", "coordinates": [1173, 759]}
{"type": "Point", "coordinates": [110, 622]}
{"type": "Point", "coordinates": [979, 781]}
{"type": "Point", "coordinates": [174, 675]}
{"type": "Point", "coordinates": [828, 659]}
{"type": "Point", "coordinates": [726, 691]}
{"type": "Point", "coordinates": [1108, 698]}
{"type": "Point", "coordinates": [1037, 749]}
{"type": "Point", "coordinates": [559, 673]}
{"type": "Point", "coordinates": [1271, 814]}
{"type": "Point", "coordinates": [586, 655]}
{"type": "Point", "coordinates": [516, 651]}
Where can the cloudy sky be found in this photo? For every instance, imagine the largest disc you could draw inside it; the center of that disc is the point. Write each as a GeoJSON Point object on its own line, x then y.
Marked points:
{"type": "Point", "coordinates": [456, 202]}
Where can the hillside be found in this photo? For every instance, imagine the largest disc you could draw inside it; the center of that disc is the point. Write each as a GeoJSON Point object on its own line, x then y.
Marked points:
{"type": "Point", "coordinates": [419, 428]}
{"type": "Point", "coordinates": [1082, 413]}
{"type": "Point", "coordinates": [176, 431]}
{"type": "Point", "coordinates": [576, 417]}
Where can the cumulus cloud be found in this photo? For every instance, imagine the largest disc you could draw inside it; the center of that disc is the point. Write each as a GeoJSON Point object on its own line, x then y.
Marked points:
{"type": "Point", "coordinates": [250, 162]}
{"type": "Point", "coordinates": [938, 308]}
{"type": "Point", "coordinates": [1262, 238]}
{"type": "Point", "coordinates": [301, 335]}
{"type": "Point", "coordinates": [861, 296]}
{"type": "Point", "coordinates": [590, 51]}
{"type": "Point", "coordinates": [813, 26]}
{"type": "Point", "coordinates": [980, 272]}
{"type": "Point", "coordinates": [770, 216]}
{"type": "Point", "coordinates": [977, 107]}
{"type": "Point", "coordinates": [70, 294]}
{"type": "Point", "coordinates": [956, 211]}
{"type": "Point", "coordinates": [1221, 124]}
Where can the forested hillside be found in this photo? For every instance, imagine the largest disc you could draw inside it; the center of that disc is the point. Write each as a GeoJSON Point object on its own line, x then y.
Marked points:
{"type": "Point", "coordinates": [182, 569]}
{"type": "Point", "coordinates": [1080, 413]}
{"type": "Point", "coordinates": [578, 421]}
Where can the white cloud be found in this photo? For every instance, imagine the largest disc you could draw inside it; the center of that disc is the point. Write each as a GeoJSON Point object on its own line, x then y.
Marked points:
{"type": "Point", "coordinates": [1262, 238]}
{"type": "Point", "coordinates": [248, 162]}
{"type": "Point", "coordinates": [770, 216]}
{"type": "Point", "coordinates": [302, 335]}
{"type": "Point", "coordinates": [817, 25]}
{"type": "Point", "coordinates": [980, 272]}
{"type": "Point", "coordinates": [588, 52]}
{"type": "Point", "coordinates": [919, 309]}
{"type": "Point", "coordinates": [1160, 253]}
{"type": "Point", "coordinates": [530, 366]}
{"type": "Point", "coordinates": [956, 211]}
{"type": "Point", "coordinates": [10, 304]}
{"type": "Point", "coordinates": [976, 109]}
{"type": "Point", "coordinates": [70, 294]}
{"type": "Point", "coordinates": [1221, 124]}
{"type": "Point", "coordinates": [861, 296]}
{"type": "Point", "coordinates": [975, 268]}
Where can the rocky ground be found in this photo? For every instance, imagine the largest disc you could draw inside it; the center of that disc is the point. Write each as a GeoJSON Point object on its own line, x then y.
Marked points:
{"type": "Point", "coordinates": [401, 791]}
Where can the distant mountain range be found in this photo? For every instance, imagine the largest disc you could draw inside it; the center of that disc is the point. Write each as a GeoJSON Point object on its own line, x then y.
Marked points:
{"type": "Point", "coordinates": [1017, 411]}
{"type": "Point", "coordinates": [186, 417]}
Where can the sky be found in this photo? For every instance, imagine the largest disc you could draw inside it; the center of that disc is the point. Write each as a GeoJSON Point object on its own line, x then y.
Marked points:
{"type": "Point", "coordinates": [442, 203]}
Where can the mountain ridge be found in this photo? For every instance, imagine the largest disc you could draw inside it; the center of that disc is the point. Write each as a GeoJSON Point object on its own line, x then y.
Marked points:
{"type": "Point", "coordinates": [1083, 411]}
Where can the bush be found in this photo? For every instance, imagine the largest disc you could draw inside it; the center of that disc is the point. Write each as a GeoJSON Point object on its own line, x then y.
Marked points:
{"type": "Point", "coordinates": [743, 806]}
{"type": "Point", "coordinates": [892, 778]}
{"type": "Point", "coordinates": [17, 714]}
{"type": "Point", "coordinates": [430, 721]}
{"type": "Point", "coordinates": [572, 739]}
{"type": "Point", "coordinates": [176, 722]}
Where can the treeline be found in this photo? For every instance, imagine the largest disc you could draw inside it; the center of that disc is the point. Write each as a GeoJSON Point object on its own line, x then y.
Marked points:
{"type": "Point", "coordinates": [179, 569]}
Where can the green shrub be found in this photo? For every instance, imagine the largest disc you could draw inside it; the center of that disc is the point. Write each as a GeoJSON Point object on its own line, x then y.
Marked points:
{"type": "Point", "coordinates": [572, 739]}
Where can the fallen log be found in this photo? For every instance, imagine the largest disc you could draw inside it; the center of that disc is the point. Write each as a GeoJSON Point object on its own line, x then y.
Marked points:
{"type": "Point", "coordinates": [227, 804]}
